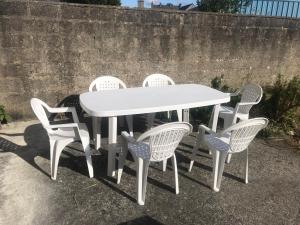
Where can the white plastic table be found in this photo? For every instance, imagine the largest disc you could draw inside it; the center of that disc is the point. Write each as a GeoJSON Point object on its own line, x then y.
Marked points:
{"type": "Point", "coordinates": [130, 101]}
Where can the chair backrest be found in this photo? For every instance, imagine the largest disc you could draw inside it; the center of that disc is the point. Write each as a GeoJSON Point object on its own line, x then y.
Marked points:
{"type": "Point", "coordinates": [164, 139]}
{"type": "Point", "coordinates": [250, 93]}
{"type": "Point", "coordinates": [38, 107]}
{"type": "Point", "coordinates": [106, 83]}
{"type": "Point", "coordinates": [157, 80]}
{"type": "Point", "coordinates": [242, 133]}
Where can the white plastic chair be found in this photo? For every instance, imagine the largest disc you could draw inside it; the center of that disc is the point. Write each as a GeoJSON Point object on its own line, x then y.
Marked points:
{"type": "Point", "coordinates": [108, 83]}
{"type": "Point", "coordinates": [234, 139]}
{"type": "Point", "coordinates": [60, 135]}
{"type": "Point", "coordinates": [155, 145]}
{"type": "Point", "coordinates": [159, 80]}
{"type": "Point", "coordinates": [251, 95]}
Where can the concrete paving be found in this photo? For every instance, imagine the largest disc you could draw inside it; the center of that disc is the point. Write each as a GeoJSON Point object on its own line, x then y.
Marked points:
{"type": "Point", "coordinates": [29, 196]}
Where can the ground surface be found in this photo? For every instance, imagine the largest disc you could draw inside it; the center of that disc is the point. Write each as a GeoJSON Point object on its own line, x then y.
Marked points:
{"type": "Point", "coordinates": [29, 196]}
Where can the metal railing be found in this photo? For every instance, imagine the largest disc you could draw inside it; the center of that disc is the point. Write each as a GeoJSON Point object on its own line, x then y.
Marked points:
{"type": "Point", "coordinates": [281, 8]}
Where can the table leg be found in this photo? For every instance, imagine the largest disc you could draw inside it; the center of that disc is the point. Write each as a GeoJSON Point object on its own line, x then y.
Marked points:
{"type": "Point", "coordinates": [112, 139]}
{"type": "Point", "coordinates": [186, 115]}
{"type": "Point", "coordinates": [129, 120]}
{"type": "Point", "coordinates": [179, 115]}
{"type": "Point", "coordinates": [215, 117]}
{"type": "Point", "coordinates": [97, 132]}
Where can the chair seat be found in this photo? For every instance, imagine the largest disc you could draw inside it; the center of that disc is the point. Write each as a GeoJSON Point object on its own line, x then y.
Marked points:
{"type": "Point", "coordinates": [218, 143]}
{"type": "Point", "coordinates": [140, 150]}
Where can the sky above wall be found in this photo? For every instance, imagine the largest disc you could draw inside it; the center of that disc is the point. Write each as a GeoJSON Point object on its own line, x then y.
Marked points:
{"type": "Point", "coordinates": [133, 3]}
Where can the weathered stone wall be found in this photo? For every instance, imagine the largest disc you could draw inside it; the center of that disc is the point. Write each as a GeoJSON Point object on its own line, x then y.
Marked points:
{"type": "Point", "coordinates": [51, 50]}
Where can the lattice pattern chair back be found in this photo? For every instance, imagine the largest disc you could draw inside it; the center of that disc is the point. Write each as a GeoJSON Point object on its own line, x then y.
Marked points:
{"type": "Point", "coordinates": [243, 133]}
{"type": "Point", "coordinates": [164, 139]}
{"type": "Point", "coordinates": [106, 83]}
{"type": "Point", "coordinates": [38, 107]}
{"type": "Point", "coordinates": [157, 80]}
{"type": "Point", "coordinates": [250, 93]}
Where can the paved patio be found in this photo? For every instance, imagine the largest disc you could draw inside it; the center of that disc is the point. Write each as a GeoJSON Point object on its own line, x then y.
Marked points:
{"type": "Point", "coordinates": [29, 196]}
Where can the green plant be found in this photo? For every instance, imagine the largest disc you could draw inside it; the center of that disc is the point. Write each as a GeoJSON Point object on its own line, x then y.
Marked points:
{"type": "Point", "coordinates": [4, 117]}
{"type": "Point", "coordinates": [222, 6]}
{"type": "Point", "coordinates": [281, 104]}
{"type": "Point", "coordinates": [217, 83]}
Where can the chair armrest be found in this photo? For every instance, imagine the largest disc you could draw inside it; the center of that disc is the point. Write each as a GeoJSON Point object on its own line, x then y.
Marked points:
{"type": "Point", "coordinates": [127, 137]}
{"type": "Point", "coordinates": [246, 103]}
{"type": "Point", "coordinates": [66, 125]}
{"type": "Point", "coordinates": [235, 93]}
{"type": "Point", "coordinates": [61, 109]}
{"type": "Point", "coordinates": [204, 129]}
{"type": "Point", "coordinates": [64, 110]}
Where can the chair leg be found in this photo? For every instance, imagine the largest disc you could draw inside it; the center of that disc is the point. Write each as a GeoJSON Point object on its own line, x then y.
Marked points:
{"type": "Point", "coordinates": [195, 148]}
{"type": "Point", "coordinates": [56, 154]}
{"type": "Point", "coordinates": [165, 162]}
{"type": "Point", "coordinates": [129, 120]}
{"type": "Point", "coordinates": [87, 151]}
{"type": "Point", "coordinates": [228, 158]}
{"type": "Point", "coordinates": [216, 156]}
{"type": "Point", "coordinates": [121, 162]}
{"type": "Point", "coordinates": [227, 122]}
{"type": "Point", "coordinates": [139, 178]}
{"type": "Point", "coordinates": [246, 167]}
{"type": "Point", "coordinates": [145, 175]}
{"type": "Point", "coordinates": [52, 149]}
{"type": "Point", "coordinates": [174, 162]}
{"type": "Point", "coordinates": [221, 168]}
{"type": "Point", "coordinates": [150, 120]}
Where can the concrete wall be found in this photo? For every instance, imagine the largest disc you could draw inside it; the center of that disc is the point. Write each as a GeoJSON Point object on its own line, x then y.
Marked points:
{"type": "Point", "coordinates": [51, 50]}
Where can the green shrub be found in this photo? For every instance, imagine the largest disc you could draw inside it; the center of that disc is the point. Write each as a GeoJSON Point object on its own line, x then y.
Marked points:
{"type": "Point", "coordinates": [217, 83]}
{"type": "Point", "coordinates": [221, 6]}
{"type": "Point", "coordinates": [281, 105]}
{"type": "Point", "coordinates": [4, 117]}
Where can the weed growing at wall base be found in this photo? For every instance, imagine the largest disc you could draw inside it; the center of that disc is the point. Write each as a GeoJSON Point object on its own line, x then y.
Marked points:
{"type": "Point", "coordinates": [4, 117]}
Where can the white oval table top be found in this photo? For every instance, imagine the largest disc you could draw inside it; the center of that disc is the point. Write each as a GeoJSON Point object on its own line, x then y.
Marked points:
{"type": "Point", "coordinates": [140, 100]}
